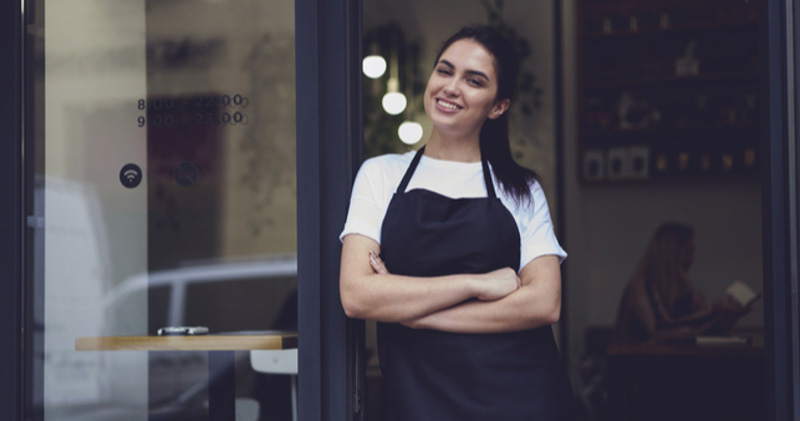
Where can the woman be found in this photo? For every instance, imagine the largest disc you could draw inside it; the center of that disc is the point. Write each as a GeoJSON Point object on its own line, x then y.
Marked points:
{"type": "Point", "coordinates": [451, 249]}
{"type": "Point", "coordinates": [660, 304]}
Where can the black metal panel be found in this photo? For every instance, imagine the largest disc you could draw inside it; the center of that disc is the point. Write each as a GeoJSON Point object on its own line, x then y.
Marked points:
{"type": "Point", "coordinates": [328, 145]}
{"type": "Point", "coordinates": [560, 174]}
{"type": "Point", "coordinates": [793, 208]}
{"type": "Point", "coordinates": [11, 218]}
{"type": "Point", "coordinates": [308, 211]}
{"type": "Point", "coordinates": [777, 105]}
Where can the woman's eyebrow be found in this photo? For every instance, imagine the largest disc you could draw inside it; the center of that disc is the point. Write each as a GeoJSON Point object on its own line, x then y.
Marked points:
{"type": "Point", "coordinates": [469, 72]}
{"type": "Point", "coordinates": [477, 73]}
{"type": "Point", "coordinates": [447, 63]}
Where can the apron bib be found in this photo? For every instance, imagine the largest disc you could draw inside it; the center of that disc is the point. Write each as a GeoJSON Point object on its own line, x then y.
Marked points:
{"type": "Point", "coordinates": [434, 375]}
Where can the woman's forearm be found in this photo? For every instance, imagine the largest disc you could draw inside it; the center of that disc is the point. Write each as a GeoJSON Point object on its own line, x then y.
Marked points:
{"type": "Point", "coordinates": [395, 298]}
{"type": "Point", "coordinates": [369, 291]}
{"type": "Point", "coordinates": [697, 318]}
{"type": "Point", "coordinates": [536, 303]}
{"type": "Point", "coordinates": [518, 311]}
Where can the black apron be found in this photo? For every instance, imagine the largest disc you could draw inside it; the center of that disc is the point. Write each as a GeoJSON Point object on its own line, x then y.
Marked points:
{"type": "Point", "coordinates": [434, 375]}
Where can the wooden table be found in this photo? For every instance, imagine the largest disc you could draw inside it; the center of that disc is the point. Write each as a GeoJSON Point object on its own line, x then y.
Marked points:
{"type": "Point", "coordinates": [220, 348]}
{"type": "Point", "coordinates": [686, 381]}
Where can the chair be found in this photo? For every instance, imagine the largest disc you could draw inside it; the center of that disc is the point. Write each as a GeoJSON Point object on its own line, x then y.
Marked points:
{"type": "Point", "coordinates": [281, 361]}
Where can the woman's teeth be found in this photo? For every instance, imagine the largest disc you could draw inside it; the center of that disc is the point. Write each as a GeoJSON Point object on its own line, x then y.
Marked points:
{"type": "Point", "coordinates": [447, 105]}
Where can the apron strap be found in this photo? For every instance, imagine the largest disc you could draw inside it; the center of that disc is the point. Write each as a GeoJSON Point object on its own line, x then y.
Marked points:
{"type": "Point", "coordinates": [410, 171]}
{"type": "Point", "coordinates": [487, 175]}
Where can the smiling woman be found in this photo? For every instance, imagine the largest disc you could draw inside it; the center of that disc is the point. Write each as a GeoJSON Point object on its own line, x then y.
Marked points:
{"type": "Point", "coordinates": [451, 249]}
{"type": "Point", "coordinates": [461, 94]}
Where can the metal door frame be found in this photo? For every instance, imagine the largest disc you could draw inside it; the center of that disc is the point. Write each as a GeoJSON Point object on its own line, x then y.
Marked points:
{"type": "Point", "coordinates": [11, 220]}
{"type": "Point", "coordinates": [329, 138]}
{"type": "Point", "coordinates": [779, 102]}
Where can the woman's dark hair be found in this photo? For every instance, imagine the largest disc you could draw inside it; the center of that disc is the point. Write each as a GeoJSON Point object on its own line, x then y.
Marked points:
{"type": "Point", "coordinates": [494, 141]}
{"type": "Point", "coordinates": [661, 281]}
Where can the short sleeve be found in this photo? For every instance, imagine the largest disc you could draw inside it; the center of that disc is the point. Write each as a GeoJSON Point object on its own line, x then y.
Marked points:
{"type": "Point", "coordinates": [536, 229]}
{"type": "Point", "coordinates": [367, 207]}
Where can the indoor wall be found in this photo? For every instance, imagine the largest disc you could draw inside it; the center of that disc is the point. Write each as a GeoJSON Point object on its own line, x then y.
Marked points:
{"type": "Point", "coordinates": [608, 226]}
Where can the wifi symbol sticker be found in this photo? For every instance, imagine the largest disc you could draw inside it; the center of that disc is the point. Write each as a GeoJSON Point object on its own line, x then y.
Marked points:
{"type": "Point", "coordinates": [130, 175]}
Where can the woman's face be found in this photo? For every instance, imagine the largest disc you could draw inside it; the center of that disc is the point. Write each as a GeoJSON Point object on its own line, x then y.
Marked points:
{"type": "Point", "coordinates": [462, 90]}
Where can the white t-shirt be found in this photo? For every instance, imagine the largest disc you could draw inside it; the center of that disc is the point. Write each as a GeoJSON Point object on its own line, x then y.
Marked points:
{"type": "Point", "coordinates": [379, 177]}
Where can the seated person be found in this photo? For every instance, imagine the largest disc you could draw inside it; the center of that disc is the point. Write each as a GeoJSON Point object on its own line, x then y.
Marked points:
{"type": "Point", "coordinates": [660, 304]}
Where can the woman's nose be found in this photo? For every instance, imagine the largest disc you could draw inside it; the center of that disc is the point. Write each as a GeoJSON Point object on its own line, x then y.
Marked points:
{"type": "Point", "coordinates": [451, 88]}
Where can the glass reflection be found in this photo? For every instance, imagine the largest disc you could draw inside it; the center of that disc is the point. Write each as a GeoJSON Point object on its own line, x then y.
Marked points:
{"type": "Point", "coordinates": [165, 190]}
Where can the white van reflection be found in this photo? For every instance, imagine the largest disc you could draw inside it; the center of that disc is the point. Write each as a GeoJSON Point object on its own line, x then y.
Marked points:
{"type": "Point", "coordinates": [223, 296]}
{"type": "Point", "coordinates": [246, 295]}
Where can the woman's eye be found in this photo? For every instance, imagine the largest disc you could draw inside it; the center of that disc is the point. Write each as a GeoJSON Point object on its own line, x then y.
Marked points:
{"type": "Point", "coordinates": [443, 71]}
{"type": "Point", "coordinates": [475, 82]}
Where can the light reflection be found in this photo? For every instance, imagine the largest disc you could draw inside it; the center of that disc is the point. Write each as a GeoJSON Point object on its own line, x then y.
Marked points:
{"type": "Point", "coordinates": [373, 66]}
{"type": "Point", "coordinates": [410, 132]}
{"type": "Point", "coordinates": [394, 103]}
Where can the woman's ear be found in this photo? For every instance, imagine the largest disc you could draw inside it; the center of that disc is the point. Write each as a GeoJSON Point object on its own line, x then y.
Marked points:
{"type": "Point", "coordinates": [499, 108]}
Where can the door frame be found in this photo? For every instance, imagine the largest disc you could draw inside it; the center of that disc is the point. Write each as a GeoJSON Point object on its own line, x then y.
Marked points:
{"type": "Point", "coordinates": [329, 152]}
{"type": "Point", "coordinates": [11, 219]}
{"type": "Point", "coordinates": [779, 77]}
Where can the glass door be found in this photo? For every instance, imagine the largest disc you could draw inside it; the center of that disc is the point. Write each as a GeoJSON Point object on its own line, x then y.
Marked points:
{"type": "Point", "coordinates": [161, 192]}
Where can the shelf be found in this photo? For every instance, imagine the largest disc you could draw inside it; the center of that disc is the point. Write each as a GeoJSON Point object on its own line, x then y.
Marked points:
{"type": "Point", "coordinates": [647, 163]}
{"type": "Point", "coordinates": [673, 80]}
{"type": "Point", "coordinates": [701, 125]}
{"type": "Point", "coordinates": [733, 133]}
{"type": "Point", "coordinates": [675, 30]}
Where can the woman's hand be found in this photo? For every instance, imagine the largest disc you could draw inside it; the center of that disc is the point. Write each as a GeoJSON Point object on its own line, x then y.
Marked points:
{"type": "Point", "coordinates": [489, 286]}
{"type": "Point", "coordinates": [510, 303]}
{"type": "Point", "coordinates": [727, 311]}
{"type": "Point", "coordinates": [369, 291]}
{"type": "Point", "coordinates": [377, 264]}
{"type": "Point", "coordinates": [497, 284]}
{"type": "Point", "coordinates": [728, 307]}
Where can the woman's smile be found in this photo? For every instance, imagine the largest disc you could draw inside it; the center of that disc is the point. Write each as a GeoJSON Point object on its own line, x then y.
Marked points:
{"type": "Point", "coordinates": [462, 90]}
{"type": "Point", "coordinates": [447, 106]}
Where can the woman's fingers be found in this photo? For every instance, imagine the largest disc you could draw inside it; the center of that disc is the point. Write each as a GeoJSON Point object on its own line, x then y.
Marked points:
{"type": "Point", "coordinates": [499, 283]}
{"type": "Point", "coordinates": [377, 264]}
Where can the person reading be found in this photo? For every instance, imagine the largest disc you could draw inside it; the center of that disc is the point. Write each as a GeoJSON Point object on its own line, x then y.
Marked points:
{"type": "Point", "coordinates": [660, 304]}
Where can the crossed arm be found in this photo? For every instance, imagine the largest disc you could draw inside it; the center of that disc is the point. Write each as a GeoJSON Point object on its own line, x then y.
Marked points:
{"type": "Point", "coordinates": [497, 301]}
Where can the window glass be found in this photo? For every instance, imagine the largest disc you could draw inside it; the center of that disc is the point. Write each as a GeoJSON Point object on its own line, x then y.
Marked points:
{"type": "Point", "coordinates": [163, 194]}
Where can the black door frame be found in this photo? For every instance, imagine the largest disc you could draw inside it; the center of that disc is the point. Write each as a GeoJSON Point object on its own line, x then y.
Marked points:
{"type": "Point", "coordinates": [11, 219]}
{"type": "Point", "coordinates": [329, 134]}
{"type": "Point", "coordinates": [779, 101]}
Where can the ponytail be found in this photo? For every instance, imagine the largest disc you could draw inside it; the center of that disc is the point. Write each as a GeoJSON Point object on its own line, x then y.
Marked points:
{"type": "Point", "coordinates": [495, 145]}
